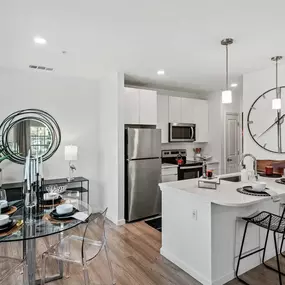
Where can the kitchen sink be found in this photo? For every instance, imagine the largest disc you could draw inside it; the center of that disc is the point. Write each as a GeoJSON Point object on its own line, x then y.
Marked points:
{"type": "Point", "coordinates": [232, 178]}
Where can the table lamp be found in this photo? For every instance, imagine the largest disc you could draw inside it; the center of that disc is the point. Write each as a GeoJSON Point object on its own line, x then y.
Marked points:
{"type": "Point", "coordinates": [71, 152]}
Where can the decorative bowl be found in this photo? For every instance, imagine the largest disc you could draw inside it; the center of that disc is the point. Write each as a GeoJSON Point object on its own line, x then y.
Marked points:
{"type": "Point", "coordinates": [55, 188]}
{"type": "Point", "coordinates": [50, 196]}
{"type": "Point", "coordinates": [258, 186]}
{"type": "Point", "coordinates": [3, 203]}
{"type": "Point", "coordinates": [4, 219]}
{"type": "Point", "coordinates": [64, 209]}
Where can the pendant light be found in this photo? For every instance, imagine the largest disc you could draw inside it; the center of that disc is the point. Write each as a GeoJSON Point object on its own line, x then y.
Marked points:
{"type": "Point", "coordinates": [276, 102]}
{"type": "Point", "coordinates": [227, 94]}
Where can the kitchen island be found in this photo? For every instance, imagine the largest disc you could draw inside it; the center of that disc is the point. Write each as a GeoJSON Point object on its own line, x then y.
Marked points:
{"type": "Point", "coordinates": [202, 230]}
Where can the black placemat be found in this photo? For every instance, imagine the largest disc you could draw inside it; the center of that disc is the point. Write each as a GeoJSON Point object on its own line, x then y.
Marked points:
{"type": "Point", "coordinates": [250, 193]}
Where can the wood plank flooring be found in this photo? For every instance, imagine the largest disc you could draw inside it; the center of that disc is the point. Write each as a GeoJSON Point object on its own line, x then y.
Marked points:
{"type": "Point", "coordinates": [134, 251]}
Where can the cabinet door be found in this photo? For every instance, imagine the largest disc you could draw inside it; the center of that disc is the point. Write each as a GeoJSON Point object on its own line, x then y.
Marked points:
{"type": "Point", "coordinates": [187, 110]}
{"type": "Point", "coordinates": [169, 178]}
{"type": "Point", "coordinates": [148, 107]}
{"type": "Point", "coordinates": [174, 109]}
{"type": "Point", "coordinates": [201, 114]}
{"type": "Point", "coordinates": [131, 106]}
{"type": "Point", "coordinates": [162, 117]}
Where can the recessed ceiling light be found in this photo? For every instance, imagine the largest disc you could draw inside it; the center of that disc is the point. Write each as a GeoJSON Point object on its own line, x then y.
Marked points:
{"type": "Point", "coordinates": [234, 85]}
{"type": "Point", "coordinates": [40, 41]}
{"type": "Point", "coordinates": [160, 72]}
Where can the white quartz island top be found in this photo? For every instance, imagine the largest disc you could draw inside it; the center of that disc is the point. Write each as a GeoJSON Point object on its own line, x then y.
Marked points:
{"type": "Point", "coordinates": [226, 193]}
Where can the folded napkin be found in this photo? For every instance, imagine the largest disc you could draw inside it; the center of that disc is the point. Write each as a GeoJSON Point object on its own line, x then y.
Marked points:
{"type": "Point", "coordinates": [80, 216]}
{"type": "Point", "coordinates": [274, 196]}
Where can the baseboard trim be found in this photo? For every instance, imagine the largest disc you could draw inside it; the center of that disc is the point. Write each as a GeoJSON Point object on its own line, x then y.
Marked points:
{"type": "Point", "coordinates": [121, 222]}
{"type": "Point", "coordinates": [115, 221]}
{"type": "Point", "coordinates": [185, 267]}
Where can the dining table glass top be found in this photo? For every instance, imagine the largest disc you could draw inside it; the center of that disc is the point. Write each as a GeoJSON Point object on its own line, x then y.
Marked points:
{"type": "Point", "coordinates": [42, 225]}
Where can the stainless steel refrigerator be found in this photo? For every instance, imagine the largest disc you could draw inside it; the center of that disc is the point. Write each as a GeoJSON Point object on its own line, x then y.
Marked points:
{"type": "Point", "coordinates": [143, 173]}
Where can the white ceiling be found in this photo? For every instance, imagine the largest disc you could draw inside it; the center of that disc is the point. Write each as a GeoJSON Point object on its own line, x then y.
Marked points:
{"type": "Point", "coordinates": [140, 37]}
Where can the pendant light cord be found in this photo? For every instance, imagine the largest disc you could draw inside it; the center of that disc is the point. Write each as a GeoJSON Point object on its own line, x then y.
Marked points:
{"type": "Point", "coordinates": [277, 93]}
{"type": "Point", "coordinates": [227, 68]}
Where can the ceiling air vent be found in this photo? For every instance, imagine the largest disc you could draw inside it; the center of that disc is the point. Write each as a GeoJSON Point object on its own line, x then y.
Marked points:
{"type": "Point", "coordinates": [41, 67]}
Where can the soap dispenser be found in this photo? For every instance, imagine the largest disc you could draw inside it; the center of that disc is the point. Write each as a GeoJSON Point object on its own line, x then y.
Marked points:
{"type": "Point", "coordinates": [244, 174]}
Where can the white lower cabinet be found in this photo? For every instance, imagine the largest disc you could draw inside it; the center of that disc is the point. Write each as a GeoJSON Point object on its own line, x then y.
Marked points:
{"type": "Point", "coordinates": [169, 178]}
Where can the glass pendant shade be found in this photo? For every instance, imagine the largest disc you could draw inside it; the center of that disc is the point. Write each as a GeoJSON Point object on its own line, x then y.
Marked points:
{"type": "Point", "coordinates": [276, 104]}
{"type": "Point", "coordinates": [227, 97]}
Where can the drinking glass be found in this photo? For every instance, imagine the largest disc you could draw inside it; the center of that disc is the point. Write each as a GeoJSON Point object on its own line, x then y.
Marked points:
{"type": "Point", "coordinates": [3, 199]}
{"type": "Point", "coordinates": [52, 190]}
{"type": "Point", "coordinates": [30, 204]}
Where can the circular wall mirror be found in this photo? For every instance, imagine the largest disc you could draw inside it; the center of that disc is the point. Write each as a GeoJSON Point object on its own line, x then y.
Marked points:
{"type": "Point", "coordinates": [29, 130]}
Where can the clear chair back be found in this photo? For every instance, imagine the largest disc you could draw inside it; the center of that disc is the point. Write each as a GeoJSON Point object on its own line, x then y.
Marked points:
{"type": "Point", "coordinates": [93, 237]}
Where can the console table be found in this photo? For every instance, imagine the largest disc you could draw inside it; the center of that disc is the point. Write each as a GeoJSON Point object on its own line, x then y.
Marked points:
{"type": "Point", "coordinates": [78, 185]}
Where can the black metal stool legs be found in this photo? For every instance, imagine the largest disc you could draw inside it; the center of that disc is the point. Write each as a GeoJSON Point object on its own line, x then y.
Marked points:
{"type": "Point", "coordinates": [240, 254]}
{"type": "Point", "coordinates": [281, 247]}
{"type": "Point", "coordinates": [263, 256]}
{"type": "Point", "coordinates": [277, 258]}
{"type": "Point", "coordinates": [276, 252]}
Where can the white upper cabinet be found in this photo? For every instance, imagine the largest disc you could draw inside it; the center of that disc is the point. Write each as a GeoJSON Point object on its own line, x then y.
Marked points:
{"type": "Point", "coordinates": [201, 119]}
{"type": "Point", "coordinates": [131, 106]}
{"type": "Point", "coordinates": [162, 117]}
{"type": "Point", "coordinates": [187, 110]}
{"type": "Point", "coordinates": [148, 107]}
{"type": "Point", "coordinates": [140, 106]}
{"type": "Point", "coordinates": [175, 109]}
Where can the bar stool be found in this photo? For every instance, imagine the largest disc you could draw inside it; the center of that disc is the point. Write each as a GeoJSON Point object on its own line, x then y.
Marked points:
{"type": "Point", "coordinates": [271, 222]}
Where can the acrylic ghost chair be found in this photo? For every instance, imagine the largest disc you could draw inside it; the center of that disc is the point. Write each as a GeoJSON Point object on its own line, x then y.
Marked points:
{"type": "Point", "coordinates": [81, 249]}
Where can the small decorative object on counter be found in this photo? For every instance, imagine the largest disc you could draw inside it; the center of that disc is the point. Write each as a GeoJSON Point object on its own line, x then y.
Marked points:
{"type": "Point", "coordinates": [269, 170]}
{"type": "Point", "coordinates": [197, 152]}
{"type": "Point", "coordinates": [209, 173]}
{"type": "Point", "coordinates": [208, 183]}
{"type": "Point", "coordinates": [179, 159]}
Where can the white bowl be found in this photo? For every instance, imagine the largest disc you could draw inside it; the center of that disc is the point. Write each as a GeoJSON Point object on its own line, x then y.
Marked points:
{"type": "Point", "coordinates": [50, 196]}
{"type": "Point", "coordinates": [258, 186]}
{"type": "Point", "coordinates": [3, 203]}
{"type": "Point", "coordinates": [64, 209]}
{"type": "Point", "coordinates": [4, 219]}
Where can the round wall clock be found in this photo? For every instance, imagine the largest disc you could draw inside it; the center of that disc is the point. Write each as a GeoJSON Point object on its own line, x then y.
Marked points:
{"type": "Point", "coordinates": [265, 125]}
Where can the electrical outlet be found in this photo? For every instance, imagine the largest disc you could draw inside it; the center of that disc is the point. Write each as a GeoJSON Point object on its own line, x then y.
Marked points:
{"type": "Point", "coordinates": [194, 215]}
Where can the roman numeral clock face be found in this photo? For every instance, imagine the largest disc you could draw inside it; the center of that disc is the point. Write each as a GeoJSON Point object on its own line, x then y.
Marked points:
{"type": "Point", "coordinates": [266, 126]}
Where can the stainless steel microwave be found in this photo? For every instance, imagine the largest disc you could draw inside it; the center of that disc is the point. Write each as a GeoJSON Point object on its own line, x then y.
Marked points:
{"type": "Point", "coordinates": [179, 132]}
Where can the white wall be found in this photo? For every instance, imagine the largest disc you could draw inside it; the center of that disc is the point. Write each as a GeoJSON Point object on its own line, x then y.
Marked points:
{"type": "Point", "coordinates": [73, 103]}
{"type": "Point", "coordinates": [111, 148]}
{"type": "Point", "coordinates": [188, 146]}
{"type": "Point", "coordinates": [255, 84]}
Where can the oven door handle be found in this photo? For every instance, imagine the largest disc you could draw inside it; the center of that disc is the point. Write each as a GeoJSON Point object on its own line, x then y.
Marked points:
{"type": "Point", "coordinates": [190, 167]}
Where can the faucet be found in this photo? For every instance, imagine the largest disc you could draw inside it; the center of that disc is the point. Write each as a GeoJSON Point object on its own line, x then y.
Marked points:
{"type": "Point", "coordinates": [204, 168]}
{"type": "Point", "coordinates": [254, 163]}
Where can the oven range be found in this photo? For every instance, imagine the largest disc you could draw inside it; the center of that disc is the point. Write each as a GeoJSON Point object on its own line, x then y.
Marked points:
{"type": "Point", "coordinates": [187, 169]}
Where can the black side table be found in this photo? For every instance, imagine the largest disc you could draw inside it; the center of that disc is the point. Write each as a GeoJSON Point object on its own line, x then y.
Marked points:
{"type": "Point", "coordinates": [77, 185]}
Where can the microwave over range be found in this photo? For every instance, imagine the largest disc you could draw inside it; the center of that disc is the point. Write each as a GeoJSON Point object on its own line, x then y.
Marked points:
{"type": "Point", "coordinates": [179, 132]}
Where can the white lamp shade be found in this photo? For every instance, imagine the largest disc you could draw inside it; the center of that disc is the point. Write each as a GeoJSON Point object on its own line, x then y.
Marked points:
{"type": "Point", "coordinates": [276, 104]}
{"type": "Point", "coordinates": [71, 152]}
{"type": "Point", "coordinates": [227, 97]}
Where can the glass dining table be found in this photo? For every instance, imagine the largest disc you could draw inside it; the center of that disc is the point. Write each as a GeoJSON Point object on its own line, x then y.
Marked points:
{"type": "Point", "coordinates": [41, 226]}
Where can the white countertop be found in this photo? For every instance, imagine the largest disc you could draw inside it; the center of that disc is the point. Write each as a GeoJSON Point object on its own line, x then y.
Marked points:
{"type": "Point", "coordinates": [226, 193]}
{"type": "Point", "coordinates": [212, 162]}
{"type": "Point", "coordinates": [168, 165]}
